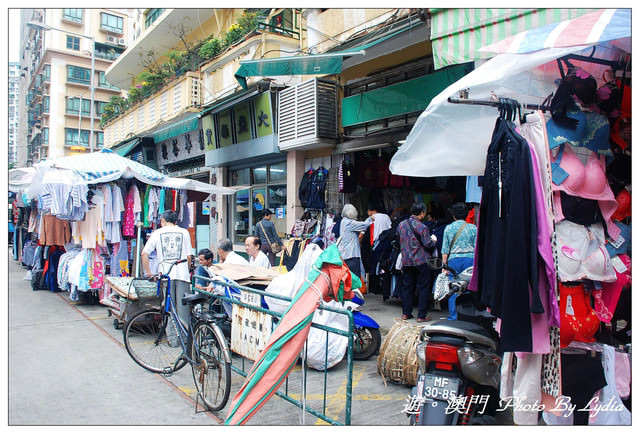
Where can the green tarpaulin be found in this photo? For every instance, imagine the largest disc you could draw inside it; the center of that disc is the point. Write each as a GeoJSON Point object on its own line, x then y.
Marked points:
{"type": "Point", "coordinates": [184, 126]}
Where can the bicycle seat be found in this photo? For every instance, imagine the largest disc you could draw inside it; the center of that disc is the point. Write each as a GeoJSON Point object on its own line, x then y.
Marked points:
{"type": "Point", "coordinates": [195, 298]}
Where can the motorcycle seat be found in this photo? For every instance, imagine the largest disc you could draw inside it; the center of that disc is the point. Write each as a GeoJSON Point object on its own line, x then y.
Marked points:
{"type": "Point", "coordinates": [465, 325]}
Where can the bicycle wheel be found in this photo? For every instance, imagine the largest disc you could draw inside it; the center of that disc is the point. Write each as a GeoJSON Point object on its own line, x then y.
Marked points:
{"type": "Point", "coordinates": [211, 373]}
{"type": "Point", "coordinates": [145, 338]}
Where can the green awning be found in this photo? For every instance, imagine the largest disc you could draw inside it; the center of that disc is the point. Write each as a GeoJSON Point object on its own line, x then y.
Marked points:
{"type": "Point", "coordinates": [458, 34]}
{"type": "Point", "coordinates": [325, 64]}
{"type": "Point", "coordinates": [124, 148]}
{"type": "Point", "coordinates": [330, 63]}
{"type": "Point", "coordinates": [183, 126]}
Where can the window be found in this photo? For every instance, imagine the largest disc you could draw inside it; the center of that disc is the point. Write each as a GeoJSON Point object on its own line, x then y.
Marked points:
{"type": "Point", "coordinates": [151, 16]}
{"type": "Point", "coordinates": [100, 107]}
{"type": "Point", "coordinates": [102, 81]}
{"type": "Point", "coordinates": [73, 43]}
{"type": "Point", "coordinates": [77, 74]}
{"type": "Point", "coordinates": [45, 136]}
{"type": "Point", "coordinates": [46, 72]}
{"type": "Point", "coordinates": [45, 104]}
{"type": "Point", "coordinates": [111, 23]}
{"type": "Point", "coordinates": [73, 106]}
{"type": "Point", "coordinates": [71, 137]}
{"type": "Point", "coordinates": [98, 140]}
{"type": "Point", "coordinates": [74, 15]}
{"type": "Point", "coordinates": [264, 192]}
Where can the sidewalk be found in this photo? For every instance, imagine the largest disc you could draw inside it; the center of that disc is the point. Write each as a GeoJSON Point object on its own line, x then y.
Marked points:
{"type": "Point", "coordinates": [67, 365]}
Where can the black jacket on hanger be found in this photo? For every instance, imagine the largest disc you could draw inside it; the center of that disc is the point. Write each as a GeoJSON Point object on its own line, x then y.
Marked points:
{"type": "Point", "coordinates": [507, 238]}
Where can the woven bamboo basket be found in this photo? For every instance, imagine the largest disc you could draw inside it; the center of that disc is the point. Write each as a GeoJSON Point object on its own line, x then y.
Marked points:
{"type": "Point", "coordinates": [397, 361]}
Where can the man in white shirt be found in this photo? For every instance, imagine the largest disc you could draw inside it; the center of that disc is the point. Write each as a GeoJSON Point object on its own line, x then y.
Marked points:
{"type": "Point", "coordinates": [227, 255]}
{"type": "Point", "coordinates": [171, 243]}
{"type": "Point", "coordinates": [256, 256]}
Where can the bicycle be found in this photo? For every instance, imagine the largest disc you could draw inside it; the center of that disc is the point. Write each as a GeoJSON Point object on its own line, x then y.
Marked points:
{"type": "Point", "coordinates": [158, 341]}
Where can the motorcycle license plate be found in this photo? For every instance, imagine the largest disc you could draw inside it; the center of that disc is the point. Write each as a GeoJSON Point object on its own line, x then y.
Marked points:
{"type": "Point", "coordinates": [438, 388]}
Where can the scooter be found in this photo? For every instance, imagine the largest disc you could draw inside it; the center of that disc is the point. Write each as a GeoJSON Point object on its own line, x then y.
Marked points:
{"type": "Point", "coordinates": [366, 333]}
{"type": "Point", "coordinates": [458, 365]}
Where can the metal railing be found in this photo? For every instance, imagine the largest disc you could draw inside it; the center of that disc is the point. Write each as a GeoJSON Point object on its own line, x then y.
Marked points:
{"type": "Point", "coordinates": [286, 394]}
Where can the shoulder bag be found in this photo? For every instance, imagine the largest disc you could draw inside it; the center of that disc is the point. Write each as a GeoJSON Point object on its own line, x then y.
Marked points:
{"type": "Point", "coordinates": [453, 241]}
{"type": "Point", "coordinates": [275, 246]}
{"type": "Point", "coordinates": [433, 261]}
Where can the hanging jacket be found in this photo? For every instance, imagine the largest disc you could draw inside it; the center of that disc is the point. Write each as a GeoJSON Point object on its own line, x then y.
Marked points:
{"type": "Point", "coordinates": [316, 192]}
{"type": "Point", "coordinates": [305, 187]}
{"type": "Point", "coordinates": [506, 262]}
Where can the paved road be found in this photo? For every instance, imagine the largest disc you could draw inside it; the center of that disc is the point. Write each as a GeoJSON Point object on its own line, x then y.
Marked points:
{"type": "Point", "coordinates": [68, 366]}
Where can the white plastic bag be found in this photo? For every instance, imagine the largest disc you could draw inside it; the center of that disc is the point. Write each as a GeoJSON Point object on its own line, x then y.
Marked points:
{"type": "Point", "coordinates": [441, 286]}
{"type": "Point", "coordinates": [317, 340]}
{"type": "Point", "coordinates": [287, 285]}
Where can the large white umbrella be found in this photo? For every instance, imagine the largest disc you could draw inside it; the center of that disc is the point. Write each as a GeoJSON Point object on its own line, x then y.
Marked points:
{"type": "Point", "coordinates": [452, 139]}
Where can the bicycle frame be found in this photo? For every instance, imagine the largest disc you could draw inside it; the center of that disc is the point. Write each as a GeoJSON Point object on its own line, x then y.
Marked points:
{"type": "Point", "coordinates": [169, 308]}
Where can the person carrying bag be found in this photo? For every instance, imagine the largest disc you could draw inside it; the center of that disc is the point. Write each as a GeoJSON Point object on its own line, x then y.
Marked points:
{"type": "Point", "coordinates": [463, 241]}
{"type": "Point", "coordinates": [262, 231]}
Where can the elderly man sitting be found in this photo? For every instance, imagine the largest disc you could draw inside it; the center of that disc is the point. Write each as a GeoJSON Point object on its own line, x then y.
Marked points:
{"type": "Point", "coordinates": [227, 255]}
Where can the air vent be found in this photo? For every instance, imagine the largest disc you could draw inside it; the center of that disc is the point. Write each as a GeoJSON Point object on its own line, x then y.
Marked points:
{"type": "Point", "coordinates": [307, 115]}
{"type": "Point", "coordinates": [122, 42]}
{"type": "Point", "coordinates": [112, 39]}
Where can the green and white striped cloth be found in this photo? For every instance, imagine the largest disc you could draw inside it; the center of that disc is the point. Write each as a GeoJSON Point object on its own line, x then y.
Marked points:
{"type": "Point", "coordinates": [458, 34]}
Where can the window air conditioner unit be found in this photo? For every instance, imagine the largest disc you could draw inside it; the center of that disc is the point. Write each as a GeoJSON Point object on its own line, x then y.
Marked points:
{"type": "Point", "coordinates": [122, 42]}
{"type": "Point", "coordinates": [111, 39]}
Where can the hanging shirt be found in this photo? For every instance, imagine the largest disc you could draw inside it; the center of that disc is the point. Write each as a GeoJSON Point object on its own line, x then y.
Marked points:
{"type": "Point", "coordinates": [381, 223]}
{"type": "Point", "coordinates": [128, 223]}
{"type": "Point", "coordinates": [161, 195]}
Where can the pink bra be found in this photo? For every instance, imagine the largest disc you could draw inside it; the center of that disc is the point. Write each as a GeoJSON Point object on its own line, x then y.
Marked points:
{"type": "Point", "coordinates": [582, 253]}
{"type": "Point", "coordinates": [588, 181]}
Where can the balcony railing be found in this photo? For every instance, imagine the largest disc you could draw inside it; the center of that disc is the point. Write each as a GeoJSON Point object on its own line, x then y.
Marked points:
{"type": "Point", "coordinates": [170, 101]}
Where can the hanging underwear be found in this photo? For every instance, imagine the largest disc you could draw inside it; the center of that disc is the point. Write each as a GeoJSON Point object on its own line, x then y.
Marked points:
{"type": "Point", "coordinates": [586, 181]}
{"type": "Point", "coordinates": [581, 253]}
{"type": "Point", "coordinates": [606, 300]}
{"type": "Point", "coordinates": [582, 377]}
{"type": "Point", "coordinates": [580, 210]}
{"type": "Point", "coordinates": [578, 320]}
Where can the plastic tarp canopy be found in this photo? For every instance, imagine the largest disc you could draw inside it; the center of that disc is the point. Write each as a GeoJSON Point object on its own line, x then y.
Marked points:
{"type": "Point", "coordinates": [20, 178]}
{"type": "Point", "coordinates": [452, 139]}
{"type": "Point", "coordinates": [106, 166]}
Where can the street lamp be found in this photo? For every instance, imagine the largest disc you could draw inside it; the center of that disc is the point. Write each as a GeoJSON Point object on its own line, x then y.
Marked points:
{"type": "Point", "coordinates": [46, 27]}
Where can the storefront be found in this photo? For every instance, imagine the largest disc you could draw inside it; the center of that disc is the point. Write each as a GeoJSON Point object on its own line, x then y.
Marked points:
{"type": "Point", "coordinates": [241, 148]}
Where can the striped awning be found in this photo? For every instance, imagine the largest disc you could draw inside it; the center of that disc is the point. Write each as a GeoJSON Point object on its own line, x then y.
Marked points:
{"type": "Point", "coordinates": [106, 166]}
{"type": "Point", "coordinates": [458, 34]}
{"type": "Point", "coordinates": [596, 27]}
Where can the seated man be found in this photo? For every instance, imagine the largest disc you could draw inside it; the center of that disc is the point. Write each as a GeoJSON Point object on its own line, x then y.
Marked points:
{"type": "Point", "coordinates": [256, 256]}
{"type": "Point", "coordinates": [205, 256]}
{"type": "Point", "coordinates": [227, 255]}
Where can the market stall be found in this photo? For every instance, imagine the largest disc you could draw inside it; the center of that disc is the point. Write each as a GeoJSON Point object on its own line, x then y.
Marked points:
{"type": "Point", "coordinates": [546, 125]}
{"type": "Point", "coordinates": [87, 215]}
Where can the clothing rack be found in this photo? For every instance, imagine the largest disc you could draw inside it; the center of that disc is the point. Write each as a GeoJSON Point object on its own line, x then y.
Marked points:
{"type": "Point", "coordinates": [490, 103]}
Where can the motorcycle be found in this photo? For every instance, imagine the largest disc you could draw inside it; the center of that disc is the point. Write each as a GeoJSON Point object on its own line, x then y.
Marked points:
{"type": "Point", "coordinates": [458, 364]}
{"type": "Point", "coordinates": [366, 333]}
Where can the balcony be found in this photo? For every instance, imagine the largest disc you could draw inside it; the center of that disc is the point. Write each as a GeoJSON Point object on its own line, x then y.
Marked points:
{"type": "Point", "coordinates": [169, 103]}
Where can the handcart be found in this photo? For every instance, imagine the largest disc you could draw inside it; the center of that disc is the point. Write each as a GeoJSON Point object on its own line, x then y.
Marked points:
{"type": "Point", "coordinates": [126, 296]}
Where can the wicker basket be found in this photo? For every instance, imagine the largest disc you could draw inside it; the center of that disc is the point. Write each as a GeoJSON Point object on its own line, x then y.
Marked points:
{"type": "Point", "coordinates": [398, 361]}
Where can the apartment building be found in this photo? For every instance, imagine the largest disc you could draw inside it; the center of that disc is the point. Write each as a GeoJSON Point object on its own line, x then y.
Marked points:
{"type": "Point", "coordinates": [14, 93]}
{"type": "Point", "coordinates": [65, 55]}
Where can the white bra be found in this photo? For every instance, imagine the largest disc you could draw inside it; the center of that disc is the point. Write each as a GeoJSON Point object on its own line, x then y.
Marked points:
{"type": "Point", "coordinates": [581, 253]}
